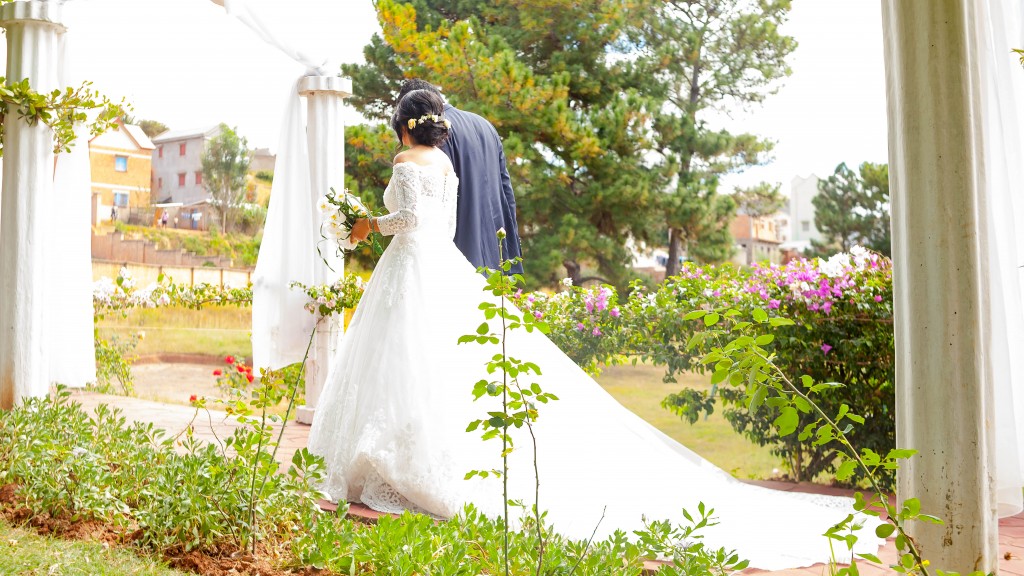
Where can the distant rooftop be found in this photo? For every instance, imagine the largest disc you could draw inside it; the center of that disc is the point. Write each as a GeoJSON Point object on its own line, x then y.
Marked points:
{"type": "Point", "coordinates": [139, 136]}
{"type": "Point", "coordinates": [172, 135]}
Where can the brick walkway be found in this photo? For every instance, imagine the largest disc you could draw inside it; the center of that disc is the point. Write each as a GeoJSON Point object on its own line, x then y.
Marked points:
{"type": "Point", "coordinates": [174, 418]}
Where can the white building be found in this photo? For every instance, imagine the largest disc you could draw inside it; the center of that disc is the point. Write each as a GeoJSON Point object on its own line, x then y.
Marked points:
{"type": "Point", "coordinates": [178, 165]}
{"type": "Point", "coordinates": [802, 229]}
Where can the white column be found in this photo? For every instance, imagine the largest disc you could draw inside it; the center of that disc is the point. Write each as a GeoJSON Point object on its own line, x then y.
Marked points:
{"type": "Point", "coordinates": [325, 129]}
{"type": "Point", "coordinates": [940, 280]}
{"type": "Point", "coordinates": [32, 48]}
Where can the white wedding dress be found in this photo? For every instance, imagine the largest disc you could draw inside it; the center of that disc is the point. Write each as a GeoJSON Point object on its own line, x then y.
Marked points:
{"type": "Point", "coordinates": [391, 420]}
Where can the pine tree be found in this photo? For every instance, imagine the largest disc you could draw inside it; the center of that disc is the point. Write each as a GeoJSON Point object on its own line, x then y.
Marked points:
{"type": "Point", "coordinates": [852, 209]}
{"type": "Point", "coordinates": [710, 56]}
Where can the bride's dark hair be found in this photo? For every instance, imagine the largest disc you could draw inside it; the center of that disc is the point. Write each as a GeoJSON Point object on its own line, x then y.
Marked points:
{"type": "Point", "coordinates": [423, 110]}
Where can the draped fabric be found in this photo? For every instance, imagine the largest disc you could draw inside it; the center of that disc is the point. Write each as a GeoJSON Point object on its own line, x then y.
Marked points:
{"type": "Point", "coordinates": [280, 325]}
{"type": "Point", "coordinates": [1001, 26]}
{"type": "Point", "coordinates": [70, 348]}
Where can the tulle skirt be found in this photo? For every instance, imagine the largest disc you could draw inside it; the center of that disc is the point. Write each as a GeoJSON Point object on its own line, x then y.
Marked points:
{"type": "Point", "coordinates": [391, 424]}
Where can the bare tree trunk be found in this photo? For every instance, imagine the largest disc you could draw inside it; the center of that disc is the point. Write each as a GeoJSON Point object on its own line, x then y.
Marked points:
{"type": "Point", "coordinates": [674, 245]}
{"type": "Point", "coordinates": [572, 270]}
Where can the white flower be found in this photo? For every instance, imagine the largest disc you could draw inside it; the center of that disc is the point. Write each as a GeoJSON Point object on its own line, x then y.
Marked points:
{"type": "Point", "coordinates": [502, 233]}
{"type": "Point", "coordinates": [326, 207]}
{"type": "Point", "coordinates": [332, 230]}
{"type": "Point", "coordinates": [567, 282]}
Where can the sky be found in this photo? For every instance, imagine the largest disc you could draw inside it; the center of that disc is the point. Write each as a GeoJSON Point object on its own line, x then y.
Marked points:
{"type": "Point", "coordinates": [190, 65]}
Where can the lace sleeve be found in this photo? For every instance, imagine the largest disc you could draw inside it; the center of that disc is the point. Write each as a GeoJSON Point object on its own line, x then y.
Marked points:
{"type": "Point", "coordinates": [404, 219]}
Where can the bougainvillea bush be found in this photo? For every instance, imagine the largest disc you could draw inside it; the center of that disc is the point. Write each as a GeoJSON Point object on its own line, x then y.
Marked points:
{"type": "Point", "coordinates": [843, 333]}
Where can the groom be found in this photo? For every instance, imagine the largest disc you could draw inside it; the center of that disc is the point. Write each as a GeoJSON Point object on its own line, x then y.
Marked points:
{"type": "Point", "coordinates": [486, 202]}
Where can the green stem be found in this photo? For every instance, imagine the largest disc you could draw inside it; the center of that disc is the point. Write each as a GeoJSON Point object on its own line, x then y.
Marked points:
{"type": "Point", "coordinates": [841, 436]}
{"type": "Point", "coordinates": [504, 407]}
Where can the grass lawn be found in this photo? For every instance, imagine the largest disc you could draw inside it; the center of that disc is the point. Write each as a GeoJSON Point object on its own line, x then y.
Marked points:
{"type": "Point", "coordinates": [23, 552]}
{"type": "Point", "coordinates": [640, 389]}
{"type": "Point", "coordinates": [213, 331]}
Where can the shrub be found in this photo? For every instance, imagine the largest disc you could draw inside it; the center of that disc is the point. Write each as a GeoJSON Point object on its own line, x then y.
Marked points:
{"type": "Point", "coordinates": [843, 333]}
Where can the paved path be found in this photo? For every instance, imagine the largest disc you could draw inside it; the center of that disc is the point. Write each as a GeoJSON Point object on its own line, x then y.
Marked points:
{"type": "Point", "coordinates": [174, 419]}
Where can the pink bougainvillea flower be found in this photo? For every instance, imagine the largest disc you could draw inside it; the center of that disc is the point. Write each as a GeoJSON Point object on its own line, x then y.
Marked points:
{"type": "Point", "coordinates": [878, 298]}
{"type": "Point", "coordinates": [773, 303]}
{"type": "Point", "coordinates": [825, 348]}
{"type": "Point", "coordinates": [597, 331]}
{"type": "Point", "coordinates": [615, 312]}
{"type": "Point", "coordinates": [580, 326]}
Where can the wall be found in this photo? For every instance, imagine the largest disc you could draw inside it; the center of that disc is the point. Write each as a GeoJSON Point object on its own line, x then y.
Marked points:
{"type": "Point", "coordinates": [115, 247]}
{"type": "Point", "coordinates": [801, 209]}
{"type": "Point", "coordinates": [173, 163]}
{"type": "Point", "coordinates": [145, 274]}
{"type": "Point", "coordinates": [106, 180]}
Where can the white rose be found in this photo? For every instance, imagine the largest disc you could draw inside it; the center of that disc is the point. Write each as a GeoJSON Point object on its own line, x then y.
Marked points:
{"type": "Point", "coordinates": [567, 282]}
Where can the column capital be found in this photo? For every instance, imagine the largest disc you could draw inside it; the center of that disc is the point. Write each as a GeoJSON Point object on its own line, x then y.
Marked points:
{"type": "Point", "coordinates": [42, 11]}
{"type": "Point", "coordinates": [325, 84]}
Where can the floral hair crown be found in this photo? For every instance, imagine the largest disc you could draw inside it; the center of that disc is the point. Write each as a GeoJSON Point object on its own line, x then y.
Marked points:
{"type": "Point", "coordinates": [436, 118]}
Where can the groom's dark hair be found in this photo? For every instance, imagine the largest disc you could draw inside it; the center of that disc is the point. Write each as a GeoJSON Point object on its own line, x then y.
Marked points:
{"type": "Point", "coordinates": [415, 84]}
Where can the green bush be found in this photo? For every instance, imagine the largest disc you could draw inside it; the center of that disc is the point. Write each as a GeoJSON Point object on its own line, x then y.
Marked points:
{"type": "Point", "coordinates": [843, 333]}
{"type": "Point", "coordinates": [67, 464]}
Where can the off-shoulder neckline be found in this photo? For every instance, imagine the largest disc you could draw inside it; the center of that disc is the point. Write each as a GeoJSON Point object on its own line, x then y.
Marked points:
{"type": "Point", "coordinates": [425, 166]}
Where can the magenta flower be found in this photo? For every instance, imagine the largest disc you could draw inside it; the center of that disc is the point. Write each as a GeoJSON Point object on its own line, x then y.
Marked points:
{"type": "Point", "coordinates": [825, 348]}
{"type": "Point", "coordinates": [773, 303]}
{"type": "Point", "coordinates": [538, 315]}
{"type": "Point", "coordinates": [826, 307]}
{"type": "Point", "coordinates": [878, 298]}
{"type": "Point", "coordinates": [597, 331]}
{"type": "Point", "coordinates": [580, 326]}
{"type": "Point", "coordinates": [615, 312]}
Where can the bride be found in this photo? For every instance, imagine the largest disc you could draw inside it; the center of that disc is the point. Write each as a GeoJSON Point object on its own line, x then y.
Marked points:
{"type": "Point", "coordinates": [392, 418]}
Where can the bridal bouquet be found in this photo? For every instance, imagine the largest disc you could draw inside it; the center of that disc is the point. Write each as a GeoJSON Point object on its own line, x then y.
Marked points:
{"type": "Point", "coordinates": [340, 212]}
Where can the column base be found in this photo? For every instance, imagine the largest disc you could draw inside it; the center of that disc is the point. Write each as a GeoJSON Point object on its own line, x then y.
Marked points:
{"type": "Point", "coordinates": [304, 415]}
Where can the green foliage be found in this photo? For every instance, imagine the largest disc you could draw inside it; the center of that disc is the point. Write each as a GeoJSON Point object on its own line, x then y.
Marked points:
{"type": "Point", "coordinates": [152, 128]}
{"type": "Point", "coordinates": [575, 125]}
{"type": "Point", "coordinates": [1020, 52]}
{"type": "Point", "coordinates": [763, 199]}
{"type": "Point", "coordinates": [178, 494]}
{"type": "Point", "coordinates": [709, 56]}
{"type": "Point", "coordinates": [265, 175]}
{"type": "Point", "coordinates": [518, 398]}
{"type": "Point", "coordinates": [225, 165]}
{"type": "Point", "coordinates": [852, 208]}
{"type": "Point", "coordinates": [61, 110]}
{"type": "Point", "coordinates": [843, 333]}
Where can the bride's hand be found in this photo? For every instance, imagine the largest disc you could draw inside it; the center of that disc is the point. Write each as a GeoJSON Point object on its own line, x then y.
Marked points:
{"type": "Point", "coordinates": [360, 230]}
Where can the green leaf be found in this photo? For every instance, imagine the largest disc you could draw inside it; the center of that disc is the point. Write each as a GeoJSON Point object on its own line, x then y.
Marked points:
{"type": "Point", "coordinates": [694, 315]}
{"type": "Point", "coordinates": [712, 319]}
{"type": "Point", "coordinates": [884, 530]}
{"type": "Point", "coordinates": [757, 398]}
{"type": "Point", "coordinates": [776, 322]}
{"type": "Point", "coordinates": [482, 329]}
{"type": "Point", "coordinates": [787, 421]}
{"type": "Point", "coordinates": [765, 339]}
{"type": "Point", "coordinates": [760, 316]}
{"type": "Point", "coordinates": [846, 470]}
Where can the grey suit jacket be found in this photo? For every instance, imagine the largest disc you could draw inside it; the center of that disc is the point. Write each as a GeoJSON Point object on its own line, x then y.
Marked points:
{"type": "Point", "coordinates": [486, 202]}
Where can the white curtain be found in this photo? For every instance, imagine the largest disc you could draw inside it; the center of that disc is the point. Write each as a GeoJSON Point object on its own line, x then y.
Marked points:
{"type": "Point", "coordinates": [280, 325]}
{"type": "Point", "coordinates": [70, 348]}
{"type": "Point", "coordinates": [1001, 27]}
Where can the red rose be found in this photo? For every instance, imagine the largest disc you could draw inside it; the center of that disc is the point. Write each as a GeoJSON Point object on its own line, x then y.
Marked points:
{"type": "Point", "coordinates": [249, 377]}
{"type": "Point", "coordinates": [217, 372]}
{"type": "Point", "coordinates": [241, 367]}
{"type": "Point", "coordinates": [229, 359]}
{"type": "Point", "coordinates": [192, 398]}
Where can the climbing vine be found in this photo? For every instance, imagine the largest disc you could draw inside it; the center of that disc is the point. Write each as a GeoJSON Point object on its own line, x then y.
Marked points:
{"type": "Point", "coordinates": [61, 110]}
